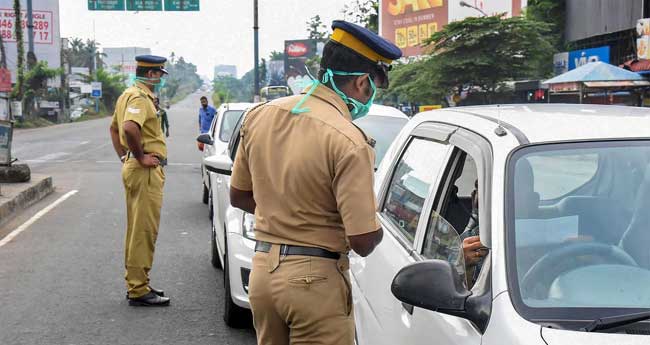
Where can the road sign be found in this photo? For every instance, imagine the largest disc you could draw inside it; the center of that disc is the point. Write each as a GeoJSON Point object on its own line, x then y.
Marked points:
{"type": "Point", "coordinates": [182, 5]}
{"type": "Point", "coordinates": [5, 80]}
{"type": "Point", "coordinates": [105, 5]}
{"type": "Point", "coordinates": [96, 89]}
{"type": "Point", "coordinates": [144, 5]}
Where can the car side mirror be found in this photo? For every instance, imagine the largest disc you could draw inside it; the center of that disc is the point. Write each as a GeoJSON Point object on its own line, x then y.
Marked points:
{"type": "Point", "coordinates": [220, 164]}
{"type": "Point", "coordinates": [205, 138]}
{"type": "Point", "coordinates": [433, 285]}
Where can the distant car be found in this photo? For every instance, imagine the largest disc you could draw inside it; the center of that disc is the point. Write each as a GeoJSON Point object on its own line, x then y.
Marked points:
{"type": "Point", "coordinates": [77, 112]}
{"type": "Point", "coordinates": [563, 213]}
{"type": "Point", "coordinates": [216, 140]}
{"type": "Point", "coordinates": [233, 239]}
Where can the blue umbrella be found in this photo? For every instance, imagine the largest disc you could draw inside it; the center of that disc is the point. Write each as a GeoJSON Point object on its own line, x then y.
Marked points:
{"type": "Point", "coordinates": [595, 71]}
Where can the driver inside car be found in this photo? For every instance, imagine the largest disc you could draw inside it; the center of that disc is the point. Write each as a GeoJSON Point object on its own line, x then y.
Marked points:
{"type": "Point", "coordinates": [473, 250]}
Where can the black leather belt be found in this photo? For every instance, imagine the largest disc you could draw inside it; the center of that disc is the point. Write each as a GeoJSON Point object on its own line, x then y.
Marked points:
{"type": "Point", "coordinates": [163, 161]}
{"type": "Point", "coordinates": [286, 249]}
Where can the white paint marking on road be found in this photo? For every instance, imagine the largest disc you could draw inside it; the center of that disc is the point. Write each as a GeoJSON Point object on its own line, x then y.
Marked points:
{"type": "Point", "coordinates": [84, 142]}
{"type": "Point", "coordinates": [51, 156]}
{"type": "Point", "coordinates": [36, 217]}
{"type": "Point", "coordinates": [528, 110]}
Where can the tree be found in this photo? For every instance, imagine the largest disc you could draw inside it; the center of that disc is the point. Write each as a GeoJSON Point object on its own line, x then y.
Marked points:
{"type": "Point", "coordinates": [315, 28]}
{"type": "Point", "coordinates": [481, 53]}
{"type": "Point", "coordinates": [364, 13]}
{"type": "Point", "coordinates": [276, 56]}
{"type": "Point", "coordinates": [19, 89]}
{"type": "Point", "coordinates": [412, 82]}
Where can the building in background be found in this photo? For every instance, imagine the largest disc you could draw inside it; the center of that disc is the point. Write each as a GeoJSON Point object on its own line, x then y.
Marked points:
{"type": "Point", "coordinates": [225, 70]}
{"type": "Point", "coordinates": [409, 23]}
{"type": "Point", "coordinates": [122, 59]}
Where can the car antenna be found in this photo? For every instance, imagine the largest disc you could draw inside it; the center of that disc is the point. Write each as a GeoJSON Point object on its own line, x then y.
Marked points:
{"type": "Point", "coordinates": [499, 131]}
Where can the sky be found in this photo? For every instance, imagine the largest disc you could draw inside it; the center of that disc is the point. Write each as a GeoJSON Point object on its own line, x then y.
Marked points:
{"type": "Point", "coordinates": [221, 33]}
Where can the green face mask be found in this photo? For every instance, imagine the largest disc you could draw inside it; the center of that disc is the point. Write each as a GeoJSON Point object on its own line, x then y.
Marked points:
{"type": "Point", "coordinates": [157, 86]}
{"type": "Point", "coordinates": [359, 109]}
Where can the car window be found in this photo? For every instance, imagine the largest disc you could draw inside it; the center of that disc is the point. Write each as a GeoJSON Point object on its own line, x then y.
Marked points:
{"type": "Point", "coordinates": [459, 215]}
{"type": "Point", "coordinates": [412, 177]}
{"type": "Point", "coordinates": [550, 168]}
{"type": "Point", "coordinates": [230, 119]}
{"type": "Point", "coordinates": [383, 129]}
{"type": "Point", "coordinates": [213, 124]}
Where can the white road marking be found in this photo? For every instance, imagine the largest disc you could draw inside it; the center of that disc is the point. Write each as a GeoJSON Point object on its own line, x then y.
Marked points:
{"type": "Point", "coordinates": [36, 217]}
{"type": "Point", "coordinates": [170, 164]}
{"type": "Point", "coordinates": [50, 157]}
{"type": "Point", "coordinates": [84, 142]}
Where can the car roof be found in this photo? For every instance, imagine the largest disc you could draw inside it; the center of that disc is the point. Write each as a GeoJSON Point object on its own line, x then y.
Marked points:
{"type": "Point", "coordinates": [236, 106]}
{"type": "Point", "coordinates": [552, 122]}
{"type": "Point", "coordinates": [383, 110]}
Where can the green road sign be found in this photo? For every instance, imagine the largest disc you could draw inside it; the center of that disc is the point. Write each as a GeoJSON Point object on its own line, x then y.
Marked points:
{"type": "Point", "coordinates": [144, 5]}
{"type": "Point", "coordinates": [106, 5]}
{"type": "Point", "coordinates": [181, 5]}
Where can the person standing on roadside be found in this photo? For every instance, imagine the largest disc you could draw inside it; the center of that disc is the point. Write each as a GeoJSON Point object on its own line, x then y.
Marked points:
{"type": "Point", "coordinates": [162, 114]}
{"type": "Point", "coordinates": [306, 172]}
{"type": "Point", "coordinates": [206, 114]}
{"type": "Point", "coordinates": [139, 142]}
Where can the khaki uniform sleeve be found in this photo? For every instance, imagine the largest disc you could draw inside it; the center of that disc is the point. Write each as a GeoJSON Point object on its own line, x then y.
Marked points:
{"type": "Point", "coordinates": [136, 110]}
{"type": "Point", "coordinates": [353, 189]}
{"type": "Point", "coordinates": [114, 121]}
{"type": "Point", "coordinates": [241, 174]}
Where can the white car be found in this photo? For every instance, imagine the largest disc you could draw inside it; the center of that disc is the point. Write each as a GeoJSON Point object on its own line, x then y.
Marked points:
{"type": "Point", "coordinates": [563, 213]}
{"type": "Point", "coordinates": [233, 240]}
{"type": "Point", "coordinates": [216, 140]}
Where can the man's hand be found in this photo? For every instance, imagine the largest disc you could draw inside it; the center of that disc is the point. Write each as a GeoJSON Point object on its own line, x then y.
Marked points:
{"type": "Point", "coordinates": [364, 244]}
{"type": "Point", "coordinates": [149, 161]}
{"type": "Point", "coordinates": [167, 134]}
{"type": "Point", "coordinates": [473, 250]}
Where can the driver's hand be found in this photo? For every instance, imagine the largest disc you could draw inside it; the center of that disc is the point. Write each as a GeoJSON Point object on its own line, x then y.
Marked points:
{"type": "Point", "coordinates": [473, 250]}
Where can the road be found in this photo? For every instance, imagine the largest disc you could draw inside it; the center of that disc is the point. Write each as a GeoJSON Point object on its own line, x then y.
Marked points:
{"type": "Point", "coordinates": [61, 279]}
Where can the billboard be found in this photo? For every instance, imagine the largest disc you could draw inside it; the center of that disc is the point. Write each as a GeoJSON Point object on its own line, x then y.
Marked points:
{"type": "Point", "coordinates": [298, 54]}
{"type": "Point", "coordinates": [567, 61]}
{"type": "Point", "coordinates": [587, 18]}
{"type": "Point", "coordinates": [408, 23]}
{"type": "Point", "coordinates": [275, 73]}
{"type": "Point", "coordinates": [47, 37]}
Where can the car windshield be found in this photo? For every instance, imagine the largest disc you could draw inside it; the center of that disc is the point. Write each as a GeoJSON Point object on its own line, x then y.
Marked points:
{"type": "Point", "coordinates": [230, 118]}
{"type": "Point", "coordinates": [383, 129]}
{"type": "Point", "coordinates": [578, 228]}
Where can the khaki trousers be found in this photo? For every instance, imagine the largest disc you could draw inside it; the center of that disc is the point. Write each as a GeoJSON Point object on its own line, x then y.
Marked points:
{"type": "Point", "coordinates": [144, 194]}
{"type": "Point", "coordinates": [301, 300]}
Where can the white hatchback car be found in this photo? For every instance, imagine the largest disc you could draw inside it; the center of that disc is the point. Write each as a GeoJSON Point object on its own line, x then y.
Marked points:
{"type": "Point", "coordinates": [216, 140]}
{"type": "Point", "coordinates": [233, 239]}
{"type": "Point", "coordinates": [563, 211]}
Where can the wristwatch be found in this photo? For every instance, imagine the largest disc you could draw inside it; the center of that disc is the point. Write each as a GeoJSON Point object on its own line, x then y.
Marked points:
{"type": "Point", "coordinates": [123, 158]}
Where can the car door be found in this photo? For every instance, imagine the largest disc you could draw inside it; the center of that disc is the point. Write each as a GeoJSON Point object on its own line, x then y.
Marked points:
{"type": "Point", "coordinates": [448, 221]}
{"type": "Point", "coordinates": [405, 193]}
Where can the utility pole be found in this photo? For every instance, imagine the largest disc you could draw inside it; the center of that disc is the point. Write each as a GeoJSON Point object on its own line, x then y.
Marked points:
{"type": "Point", "coordinates": [256, 28]}
{"type": "Point", "coordinates": [30, 28]}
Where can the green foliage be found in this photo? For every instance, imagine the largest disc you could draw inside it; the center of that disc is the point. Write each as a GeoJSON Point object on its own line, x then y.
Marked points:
{"type": "Point", "coordinates": [413, 82]}
{"type": "Point", "coordinates": [276, 56]}
{"type": "Point", "coordinates": [19, 88]}
{"type": "Point", "coordinates": [112, 87]}
{"type": "Point", "coordinates": [481, 53]}
{"type": "Point", "coordinates": [364, 13]}
{"type": "Point", "coordinates": [316, 29]}
{"type": "Point", "coordinates": [83, 54]}
{"type": "Point", "coordinates": [182, 79]}
{"type": "Point", "coordinates": [230, 89]}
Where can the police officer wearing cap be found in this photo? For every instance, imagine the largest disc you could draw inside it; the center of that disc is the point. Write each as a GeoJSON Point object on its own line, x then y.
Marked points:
{"type": "Point", "coordinates": [306, 172]}
{"type": "Point", "coordinates": [139, 142]}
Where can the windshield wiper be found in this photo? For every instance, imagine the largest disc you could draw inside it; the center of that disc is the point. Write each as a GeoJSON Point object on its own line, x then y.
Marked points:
{"type": "Point", "coordinates": [616, 321]}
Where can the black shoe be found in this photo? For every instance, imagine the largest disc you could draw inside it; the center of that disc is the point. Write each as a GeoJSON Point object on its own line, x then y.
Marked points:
{"type": "Point", "coordinates": [150, 299]}
{"type": "Point", "coordinates": [160, 293]}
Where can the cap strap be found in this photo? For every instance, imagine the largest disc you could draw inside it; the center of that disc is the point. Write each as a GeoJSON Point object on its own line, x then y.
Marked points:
{"type": "Point", "coordinates": [355, 44]}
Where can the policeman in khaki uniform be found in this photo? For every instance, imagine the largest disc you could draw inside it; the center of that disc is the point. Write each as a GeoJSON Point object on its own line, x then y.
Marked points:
{"type": "Point", "coordinates": [139, 142]}
{"type": "Point", "coordinates": [306, 171]}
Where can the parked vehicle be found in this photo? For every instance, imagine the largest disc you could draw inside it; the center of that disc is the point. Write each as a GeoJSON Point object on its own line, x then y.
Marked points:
{"type": "Point", "coordinates": [216, 140]}
{"type": "Point", "coordinates": [233, 239]}
{"type": "Point", "coordinates": [563, 200]}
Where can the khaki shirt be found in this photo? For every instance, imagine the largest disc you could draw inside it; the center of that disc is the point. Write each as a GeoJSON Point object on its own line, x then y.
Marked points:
{"type": "Point", "coordinates": [311, 174]}
{"type": "Point", "coordinates": [136, 104]}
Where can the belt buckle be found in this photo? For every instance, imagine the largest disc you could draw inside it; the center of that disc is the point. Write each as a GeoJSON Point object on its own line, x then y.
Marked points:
{"type": "Point", "coordinates": [284, 250]}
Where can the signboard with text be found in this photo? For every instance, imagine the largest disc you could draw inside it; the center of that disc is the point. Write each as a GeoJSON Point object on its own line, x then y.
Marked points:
{"type": "Point", "coordinates": [298, 55]}
{"type": "Point", "coordinates": [5, 80]}
{"type": "Point", "coordinates": [182, 5]}
{"type": "Point", "coordinates": [96, 89]}
{"type": "Point", "coordinates": [106, 5]}
{"type": "Point", "coordinates": [144, 5]}
{"type": "Point", "coordinates": [408, 23]}
{"type": "Point", "coordinates": [579, 58]}
{"type": "Point", "coordinates": [6, 131]}
{"type": "Point", "coordinates": [47, 37]}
